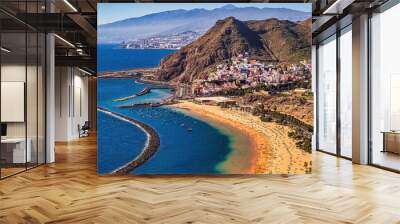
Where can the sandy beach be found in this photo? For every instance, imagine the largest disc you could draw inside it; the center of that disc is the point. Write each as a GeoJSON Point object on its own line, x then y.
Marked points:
{"type": "Point", "coordinates": [275, 152]}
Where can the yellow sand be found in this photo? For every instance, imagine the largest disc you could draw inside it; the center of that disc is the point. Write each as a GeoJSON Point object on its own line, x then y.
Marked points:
{"type": "Point", "coordinates": [276, 153]}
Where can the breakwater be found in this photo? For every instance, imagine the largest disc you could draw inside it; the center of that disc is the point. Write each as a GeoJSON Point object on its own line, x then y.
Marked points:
{"type": "Point", "coordinates": [141, 105]}
{"type": "Point", "coordinates": [151, 146]}
{"type": "Point", "coordinates": [141, 93]}
{"type": "Point", "coordinates": [156, 84]}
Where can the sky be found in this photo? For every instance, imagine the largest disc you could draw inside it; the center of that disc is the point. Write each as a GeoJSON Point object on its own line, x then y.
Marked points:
{"type": "Point", "coordinates": [111, 12]}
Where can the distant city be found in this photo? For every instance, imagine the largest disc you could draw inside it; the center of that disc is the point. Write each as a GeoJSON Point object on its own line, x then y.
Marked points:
{"type": "Point", "coordinates": [170, 41]}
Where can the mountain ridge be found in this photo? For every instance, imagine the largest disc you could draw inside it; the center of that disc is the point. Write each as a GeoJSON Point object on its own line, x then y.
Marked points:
{"type": "Point", "coordinates": [198, 20]}
{"type": "Point", "coordinates": [265, 40]}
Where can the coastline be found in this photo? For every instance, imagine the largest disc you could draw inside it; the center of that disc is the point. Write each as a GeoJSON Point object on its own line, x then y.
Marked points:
{"type": "Point", "coordinates": [151, 146]}
{"type": "Point", "coordinates": [275, 152]}
{"type": "Point", "coordinates": [125, 73]}
{"type": "Point", "coordinates": [242, 157]}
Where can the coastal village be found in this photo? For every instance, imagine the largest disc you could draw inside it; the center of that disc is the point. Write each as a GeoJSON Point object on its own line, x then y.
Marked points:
{"type": "Point", "coordinates": [228, 82]}
{"type": "Point", "coordinates": [240, 72]}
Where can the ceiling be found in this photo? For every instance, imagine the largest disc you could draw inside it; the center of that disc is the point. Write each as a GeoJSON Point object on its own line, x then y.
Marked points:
{"type": "Point", "coordinates": [73, 21]}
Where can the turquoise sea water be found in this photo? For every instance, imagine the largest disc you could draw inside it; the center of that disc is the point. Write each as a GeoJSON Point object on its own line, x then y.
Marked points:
{"type": "Point", "coordinates": [200, 151]}
{"type": "Point", "coordinates": [181, 151]}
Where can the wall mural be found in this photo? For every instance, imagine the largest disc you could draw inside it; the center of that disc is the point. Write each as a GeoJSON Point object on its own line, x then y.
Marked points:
{"type": "Point", "coordinates": [204, 88]}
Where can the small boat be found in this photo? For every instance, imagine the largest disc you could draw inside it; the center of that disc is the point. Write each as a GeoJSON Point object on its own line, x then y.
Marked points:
{"type": "Point", "coordinates": [190, 129]}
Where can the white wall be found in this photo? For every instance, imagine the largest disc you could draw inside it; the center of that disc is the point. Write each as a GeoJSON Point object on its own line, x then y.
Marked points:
{"type": "Point", "coordinates": [33, 126]}
{"type": "Point", "coordinates": [12, 73]}
{"type": "Point", "coordinates": [17, 73]}
{"type": "Point", "coordinates": [62, 82]}
{"type": "Point", "coordinates": [80, 112]}
{"type": "Point", "coordinates": [13, 100]}
{"type": "Point", "coordinates": [71, 102]}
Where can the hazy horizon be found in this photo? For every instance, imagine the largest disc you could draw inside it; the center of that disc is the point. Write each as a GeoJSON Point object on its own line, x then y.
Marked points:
{"type": "Point", "coordinates": [113, 12]}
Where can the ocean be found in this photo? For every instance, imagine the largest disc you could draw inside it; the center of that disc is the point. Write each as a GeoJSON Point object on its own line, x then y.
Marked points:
{"type": "Point", "coordinates": [111, 57]}
{"type": "Point", "coordinates": [199, 151]}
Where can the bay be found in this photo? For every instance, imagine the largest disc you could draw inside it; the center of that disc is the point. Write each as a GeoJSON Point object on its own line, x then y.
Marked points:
{"type": "Point", "coordinates": [111, 57]}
